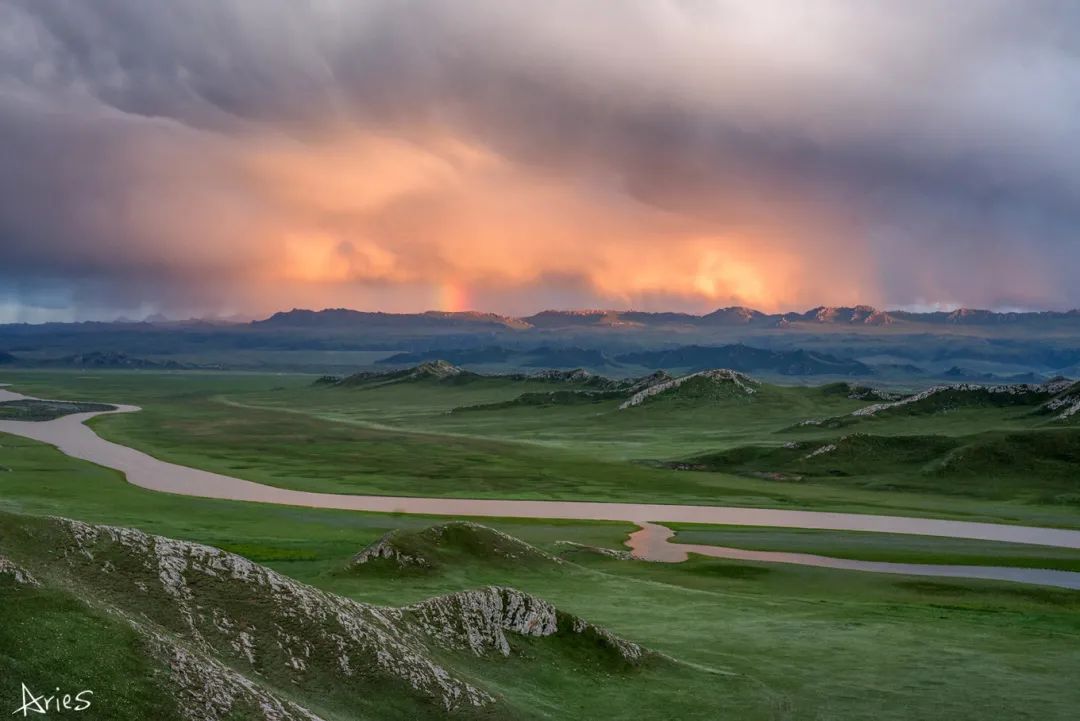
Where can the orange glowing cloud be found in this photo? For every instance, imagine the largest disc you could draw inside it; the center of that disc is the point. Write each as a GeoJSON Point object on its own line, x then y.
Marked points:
{"type": "Point", "coordinates": [510, 157]}
{"type": "Point", "coordinates": [352, 217]}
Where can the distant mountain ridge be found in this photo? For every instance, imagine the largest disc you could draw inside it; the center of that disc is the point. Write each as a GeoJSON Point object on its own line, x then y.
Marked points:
{"type": "Point", "coordinates": [863, 315]}
{"type": "Point", "coordinates": [901, 344]}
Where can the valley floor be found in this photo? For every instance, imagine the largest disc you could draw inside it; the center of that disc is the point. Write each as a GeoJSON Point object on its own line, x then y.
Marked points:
{"type": "Point", "coordinates": [795, 642]}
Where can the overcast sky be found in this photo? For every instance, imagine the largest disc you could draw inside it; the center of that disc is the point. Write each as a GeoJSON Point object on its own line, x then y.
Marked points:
{"type": "Point", "coordinates": [242, 156]}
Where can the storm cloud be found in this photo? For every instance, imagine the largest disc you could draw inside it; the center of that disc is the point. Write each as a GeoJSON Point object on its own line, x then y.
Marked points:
{"type": "Point", "coordinates": [217, 156]}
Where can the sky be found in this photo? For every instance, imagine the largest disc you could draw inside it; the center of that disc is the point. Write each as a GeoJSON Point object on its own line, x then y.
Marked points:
{"type": "Point", "coordinates": [237, 157]}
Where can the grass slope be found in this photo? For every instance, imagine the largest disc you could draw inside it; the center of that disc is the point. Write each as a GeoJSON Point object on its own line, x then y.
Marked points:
{"type": "Point", "coordinates": [447, 544]}
{"type": "Point", "coordinates": [241, 641]}
{"type": "Point", "coordinates": [1035, 466]}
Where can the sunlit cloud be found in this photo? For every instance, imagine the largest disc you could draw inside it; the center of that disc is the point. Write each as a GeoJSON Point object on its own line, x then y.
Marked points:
{"type": "Point", "coordinates": [230, 157]}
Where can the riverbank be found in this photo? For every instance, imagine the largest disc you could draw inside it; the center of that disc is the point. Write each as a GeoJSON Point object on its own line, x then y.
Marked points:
{"type": "Point", "coordinates": [72, 436]}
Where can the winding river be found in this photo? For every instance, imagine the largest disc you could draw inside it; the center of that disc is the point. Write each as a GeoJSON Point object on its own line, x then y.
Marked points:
{"type": "Point", "coordinates": [651, 542]}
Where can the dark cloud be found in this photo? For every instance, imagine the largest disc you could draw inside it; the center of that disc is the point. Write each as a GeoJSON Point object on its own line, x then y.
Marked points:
{"type": "Point", "coordinates": [899, 155]}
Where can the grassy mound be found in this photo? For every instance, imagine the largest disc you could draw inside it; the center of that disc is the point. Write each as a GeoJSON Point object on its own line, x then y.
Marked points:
{"type": "Point", "coordinates": [172, 629]}
{"type": "Point", "coordinates": [1048, 460]}
{"type": "Point", "coordinates": [850, 455]}
{"type": "Point", "coordinates": [1036, 465]}
{"type": "Point", "coordinates": [446, 544]}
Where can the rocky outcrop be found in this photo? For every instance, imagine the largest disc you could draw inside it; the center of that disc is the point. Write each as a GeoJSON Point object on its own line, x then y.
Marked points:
{"type": "Point", "coordinates": [861, 314]}
{"type": "Point", "coordinates": [436, 369]}
{"type": "Point", "coordinates": [866, 393]}
{"type": "Point", "coordinates": [1067, 404]}
{"type": "Point", "coordinates": [256, 617]}
{"type": "Point", "coordinates": [228, 633]}
{"type": "Point", "coordinates": [574, 547]}
{"type": "Point", "coordinates": [18, 574]}
{"type": "Point", "coordinates": [480, 621]}
{"type": "Point", "coordinates": [208, 690]}
{"type": "Point", "coordinates": [577, 375]}
{"type": "Point", "coordinates": [387, 548]}
{"type": "Point", "coordinates": [821, 450]}
{"type": "Point", "coordinates": [1016, 391]}
{"type": "Point", "coordinates": [743, 383]}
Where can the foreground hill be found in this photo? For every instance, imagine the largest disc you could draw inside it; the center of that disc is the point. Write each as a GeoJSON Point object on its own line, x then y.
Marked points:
{"type": "Point", "coordinates": [179, 630]}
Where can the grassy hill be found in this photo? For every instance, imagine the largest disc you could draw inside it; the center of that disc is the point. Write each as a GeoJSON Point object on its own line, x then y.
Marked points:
{"type": "Point", "coordinates": [946, 398]}
{"type": "Point", "coordinates": [447, 544]}
{"type": "Point", "coordinates": [1036, 465]}
{"type": "Point", "coordinates": [436, 370]}
{"type": "Point", "coordinates": [224, 638]}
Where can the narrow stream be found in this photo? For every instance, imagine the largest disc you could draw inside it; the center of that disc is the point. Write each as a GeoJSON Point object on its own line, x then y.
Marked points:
{"type": "Point", "coordinates": [652, 542]}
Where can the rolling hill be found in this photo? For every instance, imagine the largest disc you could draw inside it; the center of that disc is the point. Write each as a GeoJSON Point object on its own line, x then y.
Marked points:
{"type": "Point", "coordinates": [1032, 465]}
{"type": "Point", "coordinates": [166, 629]}
{"type": "Point", "coordinates": [451, 544]}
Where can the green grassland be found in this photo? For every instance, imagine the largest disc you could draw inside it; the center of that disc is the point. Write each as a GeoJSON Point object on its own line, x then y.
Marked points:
{"type": "Point", "coordinates": [407, 438]}
{"type": "Point", "coordinates": [50, 636]}
{"type": "Point", "coordinates": [1040, 465]}
{"type": "Point", "coordinates": [748, 640]}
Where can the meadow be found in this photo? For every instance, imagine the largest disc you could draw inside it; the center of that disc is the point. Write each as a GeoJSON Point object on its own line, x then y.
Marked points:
{"type": "Point", "coordinates": [750, 640]}
{"type": "Point", "coordinates": [408, 439]}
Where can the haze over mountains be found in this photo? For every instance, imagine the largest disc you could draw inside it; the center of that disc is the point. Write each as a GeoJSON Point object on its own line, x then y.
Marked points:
{"type": "Point", "coordinates": [970, 344]}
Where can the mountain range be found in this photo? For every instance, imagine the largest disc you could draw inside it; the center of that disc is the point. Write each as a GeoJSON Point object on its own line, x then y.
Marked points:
{"type": "Point", "coordinates": [845, 340]}
{"type": "Point", "coordinates": [859, 315]}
